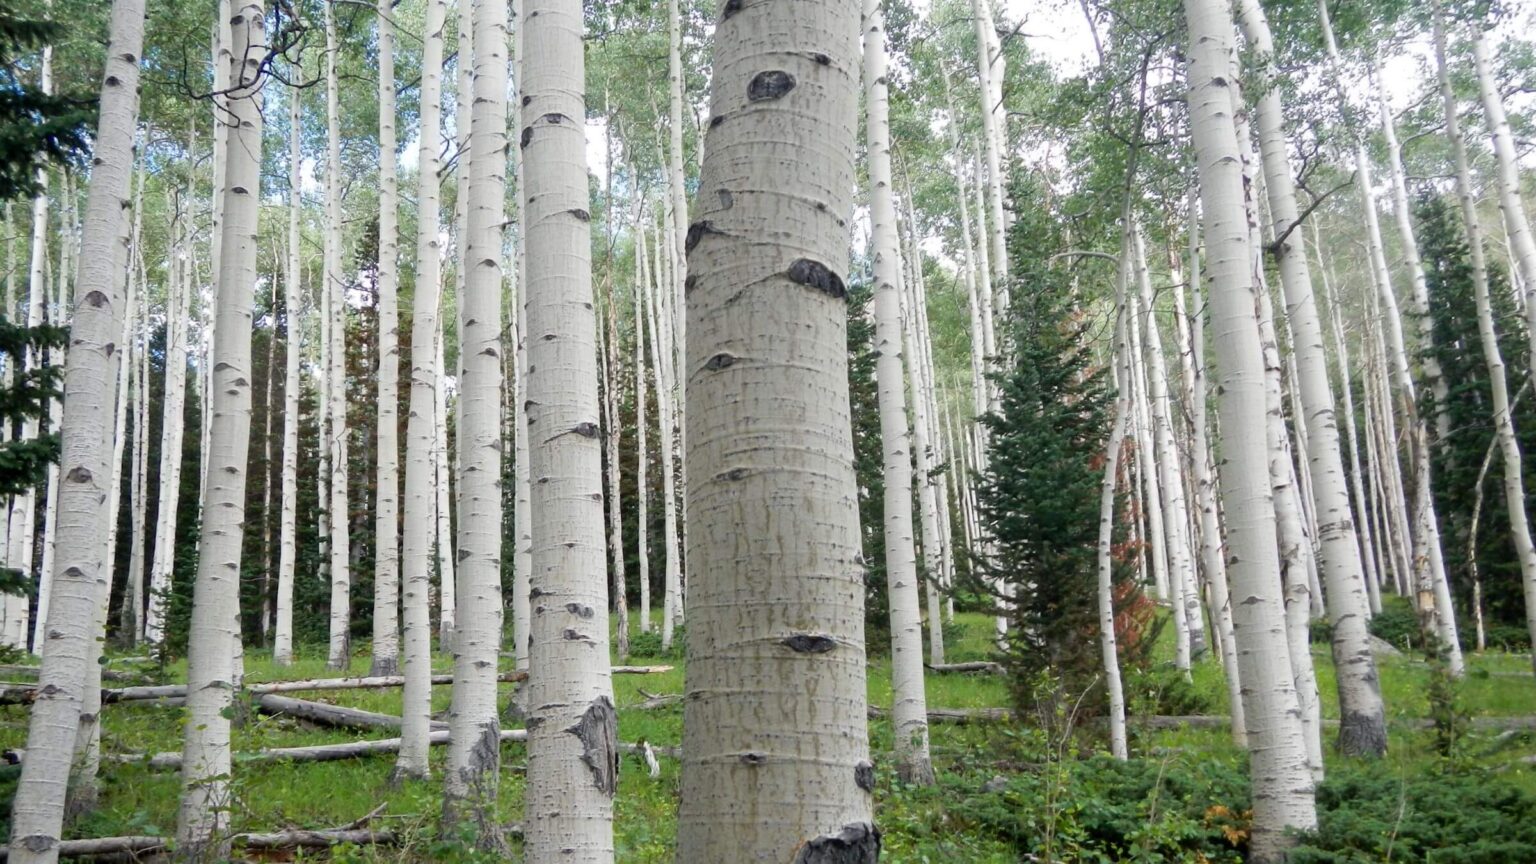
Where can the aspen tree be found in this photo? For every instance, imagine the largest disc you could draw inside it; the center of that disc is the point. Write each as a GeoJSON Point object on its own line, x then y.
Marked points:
{"type": "Point", "coordinates": [58, 358]}
{"type": "Point", "coordinates": [1109, 650]}
{"type": "Point", "coordinates": [131, 622]}
{"type": "Point", "coordinates": [463, 100]}
{"type": "Point", "coordinates": [1282, 784]}
{"type": "Point", "coordinates": [203, 819]}
{"type": "Point", "coordinates": [73, 630]}
{"type": "Point", "coordinates": [522, 552]}
{"type": "Point", "coordinates": [666, 407]}
{"type": "Point", "coordinates": [386, 554]}
{"type": "Point", "coordinates": [447, 582]}
{"type": "Point", "coordinates": [282, 636]}
{"type": "Point", "coordinates": [421, 421]}
{"type": "Point", "coordinates": [473, 758]}
{"type": "Point", "coordinates": [989, 72]}
{"type": "Point", "coordinates": [909, 711]}
{"type": "Point", "coordinates": [334, 289]}
{"type": "Point", "coordinates": [1504, 427]}
{"type": "Point", "coordinates": [642, 452]}
{"type": "Point", "coordinates": [172, 427]}
{"type": "Point", "coordinates": [923, 458]}
{"type": "Point", "coordinates": [771, 455]}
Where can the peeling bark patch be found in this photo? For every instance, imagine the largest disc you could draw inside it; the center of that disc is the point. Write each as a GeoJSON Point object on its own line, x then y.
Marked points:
{"type": "Point", "coordinates": [579, 610]}
{"type": "Point", "coordinates": [720, 361]}
{"type": "Point", "coordinates": [598, 731]}
{"type": "Point", "coordinates": [855, 844]}
{"type": "Point", "coordinates": [814, 274]}
{"type": "Point", "coordinates": [696, 232]}
{"type": "Point", "coordinates": [773, 84]}
{"type": "Point", "coordinates": [809, 643]}
{"type": "Point", "coordinates": [486, 753]}
{"type": "Point", "coordinates": [864, 776]}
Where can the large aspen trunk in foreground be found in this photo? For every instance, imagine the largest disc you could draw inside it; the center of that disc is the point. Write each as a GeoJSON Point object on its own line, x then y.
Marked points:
{"type": "Point", "coordinates": [474, 760]}
{"type": "Point", "coordinates": [909, 712]}
{"type": "Point", "coordinates": [202, 824]}
{"type": "Point", "coordinates": [386, 555]}
{"type": "Point", "coordinates": [74, 629]}
{"type": "Point", "coordinates": [1503, 424]}
{"type": "Point", "coordinates": [1282, 783]}
{"type": "Point", "coordinates": [775, 736]}
{"type": "Point", "coordinates": [420, 526]}
{"type": "Point", "coordinates": [1363, 724]}
{"type": "Point", "coordinates": [573, 760]}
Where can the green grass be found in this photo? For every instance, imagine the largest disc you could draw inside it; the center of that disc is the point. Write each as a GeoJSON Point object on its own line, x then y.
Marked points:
{"type": "Point", "coordinates": [919, 824]}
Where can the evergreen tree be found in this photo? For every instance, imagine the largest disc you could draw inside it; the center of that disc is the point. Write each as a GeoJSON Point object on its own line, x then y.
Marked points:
{"type": "Point", "coordinates": [867, 458]}
{"type": "Point", "coordinates": [35, 127]}
{"type": "Point", "coordinates": [24, 464]}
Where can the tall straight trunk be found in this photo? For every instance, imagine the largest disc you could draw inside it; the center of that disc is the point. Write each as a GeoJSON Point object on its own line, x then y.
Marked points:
{"type": "Point", "coordinates": [473, 767]}
{"type": "Point", "coordinates": [676, 184]}
{"type": "Point", "coordinates": [74, 629]}
{"type": "Point", "coordinates": [282, 636]}
{"type": "Point", "coordinates": [1517, 227]}
{"type": "Point", "coordinates": [1148, 462]}
{"type": "Point", "coordinates": [1109, 650]}
{"type": "Point", "coordinates": [442, 471]}
{"type": "Point", "coordinates": [1283, 791]}
{"type": "Point", "coordinates": [339, 652]}
{"type": "Point", "coordinates": [463, 101]}
{"type": "Point", "coordinates": [775, 640]}
{"type": "Point", "coordinates": [172, 427]}
{"type": "Point", "coordinates": [386, 553]}
{"type": "Point", "coordinates": [1191, 335]}
{"type": "Point", "coordinates": [1357, 486]}
{"type": "Point", "coordinates": [1431, 582]}
{"type": "Point", "coordinates": [666, 406]}
{"type": "Point", "coordinates": [572, 757]}
{"type": "Point", "coordinates": [131, 620]}
{"type": "Point", "coordinates": [1380, 433]}
{"type": "Point", "coordinates": [614, 495]}
{"type": "Point", "coordinates": [202, 823]}
{"type": "Point", "coordinates": [1503, 424]}
{"type": "Point", "coordinates": [1362, 728]}
{"type": "Point", "coordinates": [17, 608]}
{"type": "Point", "coordinates": [989, 71]}
{"type": "Point", "coordinates": [220, 55]}
{"type": "Point", "coordinates": [1181, 563]}
{"type": "Point", "coordinates": [642, 452]}
{"type": "Point", "coordinates": [421, 421]}
{"type": "Point", "coordinates": [58, 358]}
{"type": "Point", "coordinates": [909, 711]}
{"type": "Point", "coordinates": [934, 543]}
{"type": "Point", "coordinates": [522, 518]}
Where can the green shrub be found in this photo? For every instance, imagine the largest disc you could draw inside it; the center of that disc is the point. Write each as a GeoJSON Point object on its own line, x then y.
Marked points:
{"type": "Point", "coordinates": [1368, 815]}
{"type": "Point", "coordinates": [1396, 622]}
{"type": "Point", "coordinates": [1320, 631]}
{"type": "Point", "coordinates": [649, 644]}
{"type": "Point", "coordinates": [1501, 637]}
{"type": "Point", "coordinates": [1163, 690]}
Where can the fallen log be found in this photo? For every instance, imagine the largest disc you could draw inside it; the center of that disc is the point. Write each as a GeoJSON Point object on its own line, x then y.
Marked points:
{"type": "Point", "coordinates": [292, 839]}
{"type": "Point", "coordinates": [101, 846]}
{"type": "Point", "coordinates": [1213, 721]}
{"type": "Point", "coordinates": [977, 666]}
{"type": "Point", "coordinates": [311, 753]}
{"type": "Point", "coordinates": [374, 682]}
{"type": "Point", "coordinates": [957, 716]}
{"type": "Point", "coordinates": [330, 715]}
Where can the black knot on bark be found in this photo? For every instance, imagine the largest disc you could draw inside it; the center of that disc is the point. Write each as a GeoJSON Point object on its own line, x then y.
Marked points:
{"type": "Point", "coordinates": [716, 120]}
{"type": "Point", "coordinates": [526, 136]}
{"type": "Point", "coordinates": [586, 430]}
{"type": "Point", "coordinates": [79, 474]}
{"type": "Point", "coordinates": [864, 776]}
{"type": "Point", "coordinates": [814, 274]}
{"type": "Point", "coordinates": [773, 84]}
{"type": "Point", "coordinates": [579, 610]}
{"type": "Point", "coordinates": [821, 59]}
{"type": "Point", "coordinates": [809, 643]}
{"type": "Point", "coordinates": [733, 475]}
{"type": "Point", "coordinates": [727, 201]}
{"type": "Point", "coordinates": [753, 759]}
{"type": "Point", "coordinates": [720, 361]}
{"type": "Point", "coordinates": [581, 214]}
{"type": "Point", "coordinates": [598, 731]}
{"type": "Point", "coordinates": [696, 232]}
{"type": "Point", "coordinates": [527, 99]}
{"type": "Point", "coordinates": [731, 8]}
{"type": "Point", "coordinates": [855, 844]}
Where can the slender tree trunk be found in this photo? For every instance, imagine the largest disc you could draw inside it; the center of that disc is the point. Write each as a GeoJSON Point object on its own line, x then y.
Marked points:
{"type": "Point", "coordinates": [74, 628]}
{"type": "Point", "coordinates": [172, 428]}
{"type": "Point", "coordinates": [1283, 792]}
{"type": "Point", "coordinates": [573, 728]}
{"type": "Point", "coordinates": [989, 71]}
{"type": "Point", "coordinates": [131, 619]}
{"type": "Point", "coordinates": [775, 640]}
{"type": "Point", "coordinates": [1504, 427]}
{"type": "Point", "coordinates": [666, 406]}
{"type": "Point", "coordinates": [446, 579]}
{"type": "Point", "coordinates": [522, 517]}
{"type": "Point", "coordinates": [676, 180]}
{"type": "Point", "coordinates": [202, 824]}
{"type": "Point", "coordinates": [934, 543]}
{"type": "Point", "coordinates": [421, 420]}
{"type": "Point", "coordinates": [642, 452]}
{"type": "Point", "coordinates": [620, 592]}
{"type": "Point", "coordinates": [1109, 650]}
{"type": "Point", "coordinates": [386, 553]}
{"type": "Point", "coordinates": [473, 765]}
{"type": "Point", "coordinates": [339, 654]}
{"type": "Point", "coordinates": [1362, 730]}
{"type": "Point", "coordinates": [909, 712]}
{"type": "Point", "coordinates": [282, 641]}
{"type": "Point", "coordinates": [57, 358]}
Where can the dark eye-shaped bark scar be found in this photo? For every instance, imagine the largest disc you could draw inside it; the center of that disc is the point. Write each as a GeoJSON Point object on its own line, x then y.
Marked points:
{"type": "Point", "coordinates": [773, 84]}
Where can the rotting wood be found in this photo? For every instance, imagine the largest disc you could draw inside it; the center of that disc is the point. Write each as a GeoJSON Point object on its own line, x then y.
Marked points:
{"type": "Point", "coordinates": [329, 715]}
{"type": "Point", "coordinates": [977, 666]}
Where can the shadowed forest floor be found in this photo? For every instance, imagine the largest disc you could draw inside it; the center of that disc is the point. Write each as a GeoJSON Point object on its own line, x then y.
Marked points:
{"type": "Point", "coordinates": [1006, 790]}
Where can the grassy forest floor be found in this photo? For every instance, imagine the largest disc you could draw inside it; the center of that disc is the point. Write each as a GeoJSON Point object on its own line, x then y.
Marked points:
{"type": "Point", "coordinates": [1007, 791]}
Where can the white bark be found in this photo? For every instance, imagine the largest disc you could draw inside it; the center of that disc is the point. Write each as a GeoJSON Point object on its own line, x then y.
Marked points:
{"type": "Point", "coordinates": [386, 554]}
{"type": "Point", "coordinates": [522, 518]}
{"type": "Point", "coordinates": [74, 629]}
{"type": "Point", "coordinates": [172, 426]}
{"type": "Point", "coordinates": [990, 67]}
{"type": "Point", "coordinates": [282, 636]}
{"type": "Point", "coordinates": [447, 581]}
{"type": "Point", "coordinates": [666, 406]}
{"type": "Point", "coordinates": [909, 712]}
{"type": "Point", "coordinates": [775, 731]}
{"type": "Point", "coordinates": [131, 622]}
{"type": "Point", "coordinates": [642, 451]}
{"type": "Point", "coordinates": [339, 652]}
{"type": "Point", "coordinates": [934, 543]}
{"type": "Point", "coordinates": [1282, 793]}
{"type": "Point", "coordinates": [573, 728]}
{"type": "Point", "coordinates": [420, 526]}
{"type": "Point", "coordinates": [58, 358]}
{"type": "Point", "coordinates": [473, 764]}
{"type": "Point", "coordinates": [1503, 424]}
{"type": "Point", "coordinates": [1363, 716]}
{"type": "Point", "coordinates": [204, 816]}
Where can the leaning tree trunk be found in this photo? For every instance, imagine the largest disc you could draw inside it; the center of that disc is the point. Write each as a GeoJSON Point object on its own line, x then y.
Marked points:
{"type": "Point", "coordinates": [202, 824]}
{"type": "Point", "coordinates": [74, 627]}
{"type": "Point", "coordinates": [1503, 425]}
{"type": "Point", "coordinates": [339, 654]}
{"type": "Point", "coordinates": [282, 635]}
{"type": "Point", "coordinates": [474, 764]}
{"type": "Point", "coordinates": [775, 637]}
{"type": "Point", "coordinates": [1283, 791]}
{"type": "Point", "coordinates": [386, 553]}
{"type": "Point", "coordinates": [1363, 725]}
{"type": "Point", "coordinates": [909, 712]}
{"type": "Point", "coordinates": [420, 494]}
{"type": "Point", "coordinates": [573, 759]}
